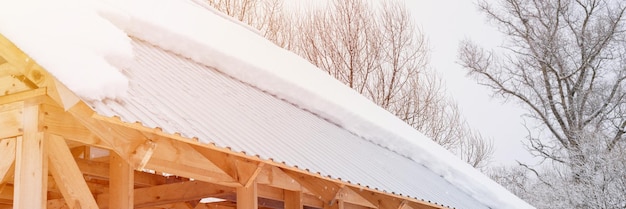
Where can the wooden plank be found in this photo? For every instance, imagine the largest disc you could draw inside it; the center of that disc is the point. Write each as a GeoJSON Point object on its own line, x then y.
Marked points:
{"type": "Point", "coordinates": [275, 177]}
{"type": "Point", "coordinates": [11, 119]}
{"type": "Point", "coordinates": [25, 64]}
{"type": "Point", "coordinates": [31, 164]}
{"type": "Point", "coordinates": [59, 122]}
{"type": "Point", "coordinates": [6, 69]}
{"type": "Point", "coordinates": [121, 184]}
{"type": "Point", "coordinates": [6, 194]}
{"type": "Point", "coordinates": [293, 200]}
{"type": "Point", "coordinates": [349, 196]}
{"type": "Point", "coordinates": [67, 175]}
{"type": "Point", "coordinates": [247, 197]}
{"type": "Point", "coordinates": [7, 159]}
{"type": "Point", "coordinates": [101, 170]}
{"type": "Point", "coordinates": [120, 140]}
{"type": "Point", "coordinates": [242, 170]}
{"type": "Point", "coordinates": [269, 192]}
{"type": "Point", "coordinates": [251, 176]}
{"type": "Point", "coordinates": [61, 94]}
{"type": "Point", "coordinates": [32, 96]}
{"type": "Point", "coordinates": [180, 158]}
{"type": "Point", "coordinates": [324, 190]}
{"type": "Point", "coordinates": [170, 193]}
{"type": "Point", "coordinates": [57, 204]}
{"type": "Point", "coordinates": [14, 83]}
{"type": "Point", "coordinates": [353, 206]}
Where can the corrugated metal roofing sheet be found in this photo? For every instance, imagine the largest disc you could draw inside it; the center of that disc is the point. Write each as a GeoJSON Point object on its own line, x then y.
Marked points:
{"type": "Point", "coordinates": [182, 96]}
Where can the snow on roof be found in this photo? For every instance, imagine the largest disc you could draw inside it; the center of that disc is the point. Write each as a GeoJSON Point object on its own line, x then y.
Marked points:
{"type": "Point", "coordinates": [69, 39]}
{"type": "Point", "coordinates": [203, 102]}
{"type": "Point", "coordinates": [205, 37]}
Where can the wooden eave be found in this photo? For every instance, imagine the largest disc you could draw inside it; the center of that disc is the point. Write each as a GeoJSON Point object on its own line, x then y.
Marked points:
{"type": "Point", "coordinates": [56, 152]}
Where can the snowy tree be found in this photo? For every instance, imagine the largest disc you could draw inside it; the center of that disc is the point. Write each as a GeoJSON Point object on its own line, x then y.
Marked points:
{"type": "Point", "coordinates": [565, 61]}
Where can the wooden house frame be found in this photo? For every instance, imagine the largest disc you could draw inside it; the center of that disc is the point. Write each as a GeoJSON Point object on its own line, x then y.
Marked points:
{"type": "Point", "coordinates": [56, 152]}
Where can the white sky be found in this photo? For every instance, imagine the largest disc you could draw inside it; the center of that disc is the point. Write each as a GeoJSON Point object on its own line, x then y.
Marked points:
{"type": "Point", "coordinates": [445, 23]}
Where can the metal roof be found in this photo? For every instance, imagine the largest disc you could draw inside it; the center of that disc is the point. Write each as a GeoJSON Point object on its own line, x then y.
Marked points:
{"type": "Point", "coordinates": [179, 95]}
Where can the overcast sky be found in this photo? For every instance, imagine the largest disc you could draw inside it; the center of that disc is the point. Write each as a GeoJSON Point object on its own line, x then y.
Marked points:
{"type": "Point", "coordinates": [445, 23]}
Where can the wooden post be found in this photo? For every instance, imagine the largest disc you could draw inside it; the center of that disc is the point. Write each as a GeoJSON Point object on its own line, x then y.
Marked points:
{"type": "Point", "coordinates": [121, 183]}
{"type": "Point", "coordinates": [31, 163]}
{"type": "Point", "coordinates": [293, 199]}
{"type": "Point", "coordinates": [247, 197]}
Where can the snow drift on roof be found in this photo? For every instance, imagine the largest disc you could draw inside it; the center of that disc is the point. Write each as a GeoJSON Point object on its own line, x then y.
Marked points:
{"type": "Point", "coordinates": [70, 40]}
{"type": "Point", "coordinates": [79, 47]}
{"type": "Point", "coordinates": [201, 35]}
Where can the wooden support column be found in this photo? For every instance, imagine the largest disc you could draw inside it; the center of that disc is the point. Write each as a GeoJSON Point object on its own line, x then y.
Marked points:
{"type": "Point", "coordinates": [121, 189]}
{"type": "Point", "coordinates": [31, 163]}
{"type": "Point", "coordinates": [247, 197]}
{"type": "Point", "coordinates": [293, 199]}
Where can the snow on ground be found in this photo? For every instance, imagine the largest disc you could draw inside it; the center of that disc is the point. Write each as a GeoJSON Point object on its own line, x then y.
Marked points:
{"type": "Point", "coordinates": [70, 40]}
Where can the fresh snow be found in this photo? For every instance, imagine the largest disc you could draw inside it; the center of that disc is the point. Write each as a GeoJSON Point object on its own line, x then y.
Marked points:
{"type": "Point", "coordinates": [72, 41]}
{"type": "Point", "coordinates": [205, 36]}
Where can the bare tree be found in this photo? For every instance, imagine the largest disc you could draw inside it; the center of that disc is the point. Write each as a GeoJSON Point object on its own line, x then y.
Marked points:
{"type": "Point", "coordinates": [375, 49]}
{"type": "Point", "coordinates": [565, 61]}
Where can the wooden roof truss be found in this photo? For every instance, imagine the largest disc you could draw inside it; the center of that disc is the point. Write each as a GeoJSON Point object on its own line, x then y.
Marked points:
{"type": "Point", "coordinates": [56, 152]}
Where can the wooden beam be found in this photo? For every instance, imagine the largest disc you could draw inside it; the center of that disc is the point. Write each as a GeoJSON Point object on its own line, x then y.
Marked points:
{"type": "Point", "coordinates": [170, 193]}
{"type": "Point", "coordinates": [31, 96]}
{"type": "Point", "coordinates": [28, 67]}
{"type": "Point", "coordinates": [121, 183]}
{"type": "Point", "coordinates": [59, 122]}
{"type": "Point", "coordinates": [243, 170]}
{"type": "Point", "coordinates": [247, 197]}
{"type": "Point", "coordinates": [293, 200]}
{"type": "Point", "coordinates": [57, 204]}
{"type": "Point", "coordinates": [275, 177]}
{"type": "Point", "coordinates": [6, 69]}
{"type": "Point", "coordinates": [62, 95]}
{"type": "Point", "coordinates": [251, 176]}
{"type": "Point", "coordinates": [6, 194]}
{"type": "Point", "coordinates": [349, 196]}
{"type": "Point", "coordinates": [121, 140]}
{"type": "Point", "coordinates": [31, 164]}
{"type": "Point", "coordinates": [101, 170]}
{"type": "Point", "coordinates": [67, 175]}
{"type": "Point", "coordinates": [11, 120]}
{"type": "Point", "coordinates": [171, 156]}
{"type": "Point", "coordinates": [7, 160]}
{"type": "Point", "coordinates": [324, 190]}
{"type": "Point", "coordinates": [12, 81]}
